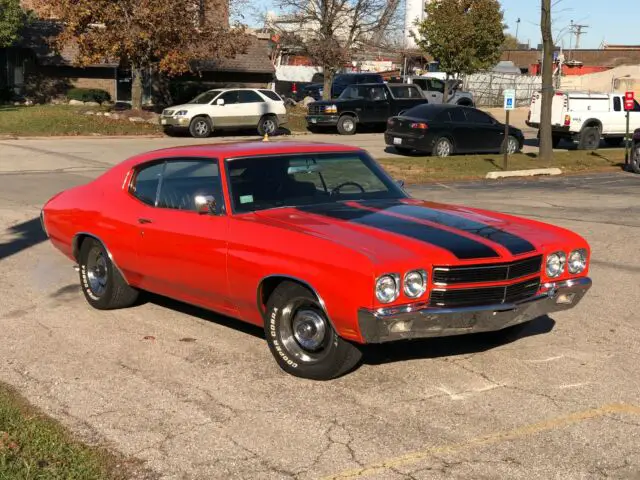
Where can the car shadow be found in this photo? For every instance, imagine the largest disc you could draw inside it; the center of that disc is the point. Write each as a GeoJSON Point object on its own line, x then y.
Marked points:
{"type": "Point", "coordinates": [452, 346]}
{"type": "Point", "coordinates": [27, 235]}
{"type": "Point", "coordinates": [201, 313]}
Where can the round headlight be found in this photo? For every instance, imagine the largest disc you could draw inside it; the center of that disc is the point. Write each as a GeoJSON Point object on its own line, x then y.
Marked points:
{"type": "Point", "coordinates": [555, 264]}
{"type": "Point", "coordinates": [577, 261]}
{"type": "Point", "coordinates": [415, 283]}
{"type": "Point", "coordinates": [387, 288]}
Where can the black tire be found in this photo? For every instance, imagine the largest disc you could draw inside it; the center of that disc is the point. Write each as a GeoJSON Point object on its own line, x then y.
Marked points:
{"type": "Point", "coordinates": [589, 138]}
{"type": "Point", "coordinates": [634, 160]}
{"type": "Point", "coordinates": [511, 144]}
{"type": "Point", "coordinates": [268, 125]}
{"type": "Point", "coordinates": [102, 284]}
{"type": "Point", "coordinates": [403, 150]}
{"type": "Point", "coordinates": [555, 141]}
{"type": "Point", "coordinates": [200, 127]}
{"type": "Point", "coordinates": [614, 142]}
{"type": "Point", "coordinates": [442, 148]}
{"type": "Point", "coordinates": [330, 357]}
{"type": "Point", "coordinates": [347, 125]}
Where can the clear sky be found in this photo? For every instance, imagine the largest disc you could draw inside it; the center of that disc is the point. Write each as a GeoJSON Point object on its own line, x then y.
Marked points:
{"type": "Point", "coordinates": [610, 21]}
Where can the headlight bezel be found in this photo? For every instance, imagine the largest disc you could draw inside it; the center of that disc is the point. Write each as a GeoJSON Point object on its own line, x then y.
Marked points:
{"type": "Point", "coordinates": [425, 280]}
{"type": "Point", "coordinates": [396, 289]}
{"type": "Point", "coordinates": [585, 257]}
{"type": "Point", "coordinates": [562, 257]}
{"type": "Point", "coordinates": [181, 113]}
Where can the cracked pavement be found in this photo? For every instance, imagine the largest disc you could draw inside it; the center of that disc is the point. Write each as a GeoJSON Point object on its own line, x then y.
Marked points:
{"type": "Point", "coordinates": [195, 395]}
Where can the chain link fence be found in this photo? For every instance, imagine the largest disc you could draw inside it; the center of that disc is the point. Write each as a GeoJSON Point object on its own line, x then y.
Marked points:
{"type": "Point", "coordinates": [488, 88]}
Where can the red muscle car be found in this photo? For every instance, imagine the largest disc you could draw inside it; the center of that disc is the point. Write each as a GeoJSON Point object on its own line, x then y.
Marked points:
{"type": "Point", "coordinates": [314, 242]}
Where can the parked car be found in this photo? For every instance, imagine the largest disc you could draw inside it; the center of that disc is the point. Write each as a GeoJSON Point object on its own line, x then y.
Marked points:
{"type": "Point", "coordinates": [365, 104]}
{"type": "Point", "coordinates": [586, 117]}
{"type": "Point", "coordinates": [314, 90]}
{"type": "Point", "coordinates": [635, 152]}
{"type": "Point", "coordinates": [343, 80]}
{"type": "Point", "coordinates": [434, 88]}
{"type": "Point", "coordinates": [227, 109]}
{"type": "Point", "coordinates": [313, 242]}
{"type": "Point", "coordinates": [445, 129]}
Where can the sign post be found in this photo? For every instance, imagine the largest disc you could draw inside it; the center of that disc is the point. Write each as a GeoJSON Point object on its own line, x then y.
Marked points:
{"type": "Point", "coordinates": [628, 106]}
{"type": "Point", "coordinates": [509, 104]}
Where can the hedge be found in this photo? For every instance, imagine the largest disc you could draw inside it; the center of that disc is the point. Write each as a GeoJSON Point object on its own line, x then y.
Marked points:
{"type": "Point", "coordinates": [88, 95]}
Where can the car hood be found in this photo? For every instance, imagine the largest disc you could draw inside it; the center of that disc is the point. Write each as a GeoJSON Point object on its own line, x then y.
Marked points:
{"type": "Point", "coordinates": [335, 101]}
{"type": "Point", "coordinates": [393, 230]}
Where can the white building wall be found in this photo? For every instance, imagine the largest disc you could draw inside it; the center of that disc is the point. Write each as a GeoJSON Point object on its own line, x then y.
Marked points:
{"type": "Point", "coordinates": [414, 11]}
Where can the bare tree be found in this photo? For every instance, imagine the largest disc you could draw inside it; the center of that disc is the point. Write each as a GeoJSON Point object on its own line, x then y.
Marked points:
{"type": "Point", "coordinates": [330, 31]}
{"type": "Point", "coordinates": [546, 145]}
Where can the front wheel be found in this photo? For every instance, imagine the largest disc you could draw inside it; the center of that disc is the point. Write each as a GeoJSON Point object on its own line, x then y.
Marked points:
{"type": "Point", "coordinates": [301, 338]}
{"type": "Point", "coordinates": [101, 282]}
{"type": "Point", "coordinates": [635, 158]}
{"type": "Point", "coordinates": [347, 125]}
{"type": "Point", "coordinates": [200, 127]}
{"type": "Point", "coordinates": [267, 126]}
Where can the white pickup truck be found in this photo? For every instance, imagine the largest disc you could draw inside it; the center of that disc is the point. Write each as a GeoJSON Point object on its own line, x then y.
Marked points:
{"type": "Point", "coordinates": [586, 117]}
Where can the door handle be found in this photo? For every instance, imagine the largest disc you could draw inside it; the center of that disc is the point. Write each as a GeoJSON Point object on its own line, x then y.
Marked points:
{"type": "Point", "coordinates": [144, 220]}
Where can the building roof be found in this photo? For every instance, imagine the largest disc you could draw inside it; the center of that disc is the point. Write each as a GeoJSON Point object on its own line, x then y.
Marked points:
{"type": "Point", "coordinates": [39, 35]}
{"type": "Point", "coordinates": [599, 58]}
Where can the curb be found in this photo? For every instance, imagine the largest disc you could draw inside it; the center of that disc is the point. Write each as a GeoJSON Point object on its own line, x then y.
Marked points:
{"type": "Point", "coordinates": [524, 173]}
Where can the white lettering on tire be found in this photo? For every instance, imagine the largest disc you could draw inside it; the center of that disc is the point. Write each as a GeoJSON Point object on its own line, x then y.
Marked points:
{"type": "Point", "coordinates": [85, 283]}
{"type": "Point", "coordinates": [276, 343]}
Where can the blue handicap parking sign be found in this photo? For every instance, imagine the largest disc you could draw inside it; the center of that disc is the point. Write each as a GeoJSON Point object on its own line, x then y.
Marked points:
{"type": "Point", "coordinates": [509, 102]}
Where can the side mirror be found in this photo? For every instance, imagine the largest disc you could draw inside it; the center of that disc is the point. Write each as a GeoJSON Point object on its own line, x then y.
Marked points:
{"type": "Point", "coordinates": [400, 183]}
{"type": "Point", "coordinates": [220, 101]}
{"type": "Point", "coordinates": [205, 204]}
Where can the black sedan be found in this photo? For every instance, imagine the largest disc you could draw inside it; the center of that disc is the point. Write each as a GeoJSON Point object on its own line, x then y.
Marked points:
{"type": "Point", "coordinates": [443, 130]}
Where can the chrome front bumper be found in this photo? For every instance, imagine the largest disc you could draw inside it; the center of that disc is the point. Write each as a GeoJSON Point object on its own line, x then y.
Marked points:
{"type": "Point", "coordinates": [421, 321]}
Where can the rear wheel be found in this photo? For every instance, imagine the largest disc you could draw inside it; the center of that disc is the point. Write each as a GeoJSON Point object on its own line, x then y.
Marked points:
{"type": "Point", "coordinates": [268, 125]}
{"type": "Point", "coordinates": [102, 284]}
{"type": "Point", "coordinates": [442, 147]}
{"type": "Point", "coordinates": [589, 138]}
{"type": "Point", "coordinates": [512, 145]}
{"type": "Point", "coordinates": [635, 158]}
{"type": "Point", "coordinates": [301, 338]}
{"type": "Point", "coordinates": [347, 125]}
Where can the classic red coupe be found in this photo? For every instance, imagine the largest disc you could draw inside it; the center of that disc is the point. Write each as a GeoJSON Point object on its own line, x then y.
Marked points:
{"type": "Point", "coordinates": [316, 243]}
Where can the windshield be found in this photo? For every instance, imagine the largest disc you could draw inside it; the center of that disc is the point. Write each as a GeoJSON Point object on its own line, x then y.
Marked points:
{"type": "Point", "coordinates": [260, 183]}
{"type": "Point", "coordinates": [206, 97]}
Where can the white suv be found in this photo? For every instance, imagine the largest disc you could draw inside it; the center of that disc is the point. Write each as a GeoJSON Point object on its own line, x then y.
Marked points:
{"type": "Point", "coordinates": [227, 109]}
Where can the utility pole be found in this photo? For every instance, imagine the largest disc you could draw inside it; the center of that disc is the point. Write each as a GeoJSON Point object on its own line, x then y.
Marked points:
{"type": "Point", "coordinates": [577, 29]}
{"type": "Point", "coordinates": [546, 148]}
{"type": "Point", "coordinates": [517, 28]}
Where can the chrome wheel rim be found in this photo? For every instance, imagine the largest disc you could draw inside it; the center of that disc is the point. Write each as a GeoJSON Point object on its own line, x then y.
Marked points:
{"type": "Point", "coordinates": [304, 331]}
{"type": "Point", "coordinates": [443, 149]}
{"type": "Point", "coordinates": [201, 127]}
{"type": "Point", "coordinates": [512, 146]}
{"type": "Point", "coordinates": [269, 126]}
{"type": "Point", "coordinates": [97, 272]}
{"type": "Point", "coordinates": [348, 125]}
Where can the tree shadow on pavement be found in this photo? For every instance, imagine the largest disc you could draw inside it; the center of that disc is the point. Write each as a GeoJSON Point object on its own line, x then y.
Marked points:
{"type": "Point", "coordinates": [27, 234]}
{"type": "Point", "coordinates": [451, 346]}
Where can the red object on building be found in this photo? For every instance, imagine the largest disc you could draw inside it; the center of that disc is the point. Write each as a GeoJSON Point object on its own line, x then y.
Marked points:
{"type": "Point", "coordinates": [629, 100]}
{"type": "Point", "coordinates": [294, 89]}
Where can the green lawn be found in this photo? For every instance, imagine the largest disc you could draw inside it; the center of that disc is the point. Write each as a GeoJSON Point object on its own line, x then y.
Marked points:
{"type": "Point", "coordinates": [414, 169]}
{"type": "Point", "coordinates": [51, 120]}
{"type": "Point", "coordinates": [34, 447]}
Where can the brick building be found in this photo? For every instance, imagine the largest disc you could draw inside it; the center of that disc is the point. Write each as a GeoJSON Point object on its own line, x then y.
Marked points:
{"type": "Point", "coordinates": [32, 67]}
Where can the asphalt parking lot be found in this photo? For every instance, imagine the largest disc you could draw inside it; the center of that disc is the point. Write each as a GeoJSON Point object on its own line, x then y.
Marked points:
{"type": "Point", "coordinates": [198, 396]}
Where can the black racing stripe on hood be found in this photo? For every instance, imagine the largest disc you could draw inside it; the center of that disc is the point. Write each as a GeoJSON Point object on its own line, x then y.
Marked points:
{"type": "Point", "coordinates": [462, 247]}
{"type": "Point", "coordinates": [515, 244]}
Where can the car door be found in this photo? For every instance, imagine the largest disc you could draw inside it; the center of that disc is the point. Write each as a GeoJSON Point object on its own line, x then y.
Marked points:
{"type": "Point", "coordinates": [227, 115]}
{"type": "Point", "coordinates": [252, 107]}
{"type": "Point", "coordinates": [460, 129]}
{"type": "Point", "coordinates": [182, 253]}
{"type": "Point", "coordinates": [377, 105]}
{"type": "Point", "coordinates": [485, 133]}
{"type": "Point", "coordinates": [436, 90]}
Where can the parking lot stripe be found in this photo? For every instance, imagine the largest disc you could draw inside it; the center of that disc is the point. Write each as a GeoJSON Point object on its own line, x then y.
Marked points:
{"type": "Point", "coordinates": [492, 438]}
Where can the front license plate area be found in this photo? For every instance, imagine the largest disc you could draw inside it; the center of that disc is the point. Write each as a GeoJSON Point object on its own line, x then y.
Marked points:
{"type": "Point", "coordinates": [397, 141]}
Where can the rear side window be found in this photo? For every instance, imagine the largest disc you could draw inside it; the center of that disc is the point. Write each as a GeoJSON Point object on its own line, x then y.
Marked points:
{"type": "Point", "coordinates": [476, 116]}
{"type": "Point", "coordinates": [249, 96]}
{"type": "Point", "coordinates": [406, 91]}
{"type": "Point", "coordinates": [425, 112]}
{"type": "Point", "coordinates": [271, 95]}
{"type": "Point", "coordinates": [617, 104]}
{"type": "Point", "coordinates": [145, 184]}
{"type": "Point", "coordinates": [457, 115]}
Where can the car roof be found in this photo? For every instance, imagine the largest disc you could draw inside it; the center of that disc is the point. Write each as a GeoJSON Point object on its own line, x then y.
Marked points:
{"type": "Point", "coordinates": [230, 150]}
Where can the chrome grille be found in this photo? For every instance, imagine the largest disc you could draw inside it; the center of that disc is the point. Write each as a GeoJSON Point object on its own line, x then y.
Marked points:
{"type": "Point", "coordinates": [467, 297]}
{"type": "Point", "coordinates": [487, 273]}
{"type": "Point", "coordinates": [316, 109]}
